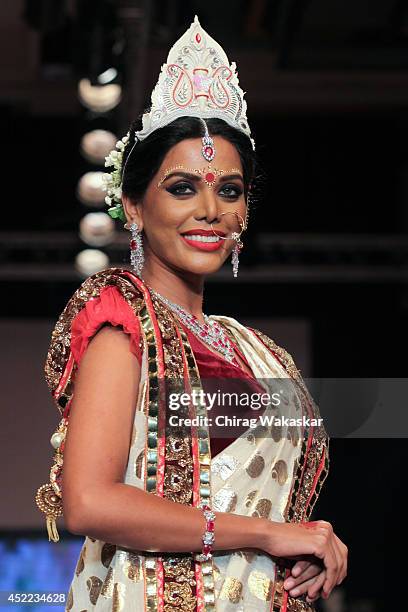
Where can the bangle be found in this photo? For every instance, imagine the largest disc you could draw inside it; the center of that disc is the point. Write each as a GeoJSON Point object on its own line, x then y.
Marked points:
{"type": "Point", "coordinates": [208, 535]}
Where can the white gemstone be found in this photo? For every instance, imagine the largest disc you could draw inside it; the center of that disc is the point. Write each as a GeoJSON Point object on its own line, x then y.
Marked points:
{"type": "Point", "coordinates": [56, 439]}
{"type": "Point", "coordinates": [208, 538]}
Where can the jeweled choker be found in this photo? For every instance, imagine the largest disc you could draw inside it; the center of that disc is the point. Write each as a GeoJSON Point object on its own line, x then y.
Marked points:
{"type": "Point", "coordinates": [210, 332]}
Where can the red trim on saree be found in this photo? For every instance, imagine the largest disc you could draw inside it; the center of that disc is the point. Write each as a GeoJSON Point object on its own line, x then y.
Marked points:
{"type": "Point", "coordinates": [67, 409]}
{"type": "Point", "coordinates": [285, 593]}
{"type": "Point", "coordinates": [275, 577]}
{"type": "Point", "coordinates": [148, 300]}
{"type": "Point", "coordinates": [161, 439]}
{"type": "Point", "coordinates": [65, 376]}
{"type": "Point", "coordinates": [199, 587]}
{"type": "Point", "coordinates": [160, 585]}
{"type": "Point", "coordinates": [317, 476]}
{"type": "Point", "coordinates": [166, 587]}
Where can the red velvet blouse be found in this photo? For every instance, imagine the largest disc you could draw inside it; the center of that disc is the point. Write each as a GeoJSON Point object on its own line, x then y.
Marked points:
{"type": "Point", "coordinates": [112, 308]}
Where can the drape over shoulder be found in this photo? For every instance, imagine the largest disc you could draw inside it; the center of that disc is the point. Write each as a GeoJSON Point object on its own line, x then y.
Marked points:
{"type": "Point", "coordinates": [274, 471]}
{"type": "Point", "coordinates": [109, 307]}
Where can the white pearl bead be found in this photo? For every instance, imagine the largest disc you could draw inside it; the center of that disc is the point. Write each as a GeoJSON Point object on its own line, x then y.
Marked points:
{"type": "Point", "coordinates": [56, 439]}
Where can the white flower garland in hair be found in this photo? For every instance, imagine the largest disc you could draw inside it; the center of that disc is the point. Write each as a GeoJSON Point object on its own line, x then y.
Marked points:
{"type": "Point", "coordinates": [112, 181]}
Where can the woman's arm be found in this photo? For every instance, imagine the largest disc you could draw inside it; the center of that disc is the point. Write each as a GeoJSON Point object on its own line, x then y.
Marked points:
{"type": "Point", "coordinates": [96, 501]}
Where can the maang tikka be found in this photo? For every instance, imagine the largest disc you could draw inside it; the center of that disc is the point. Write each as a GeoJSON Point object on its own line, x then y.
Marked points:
{"type": "Point", "coordinates": [208, 148]}
{"type": "Point", "coordinates": [136, 249]}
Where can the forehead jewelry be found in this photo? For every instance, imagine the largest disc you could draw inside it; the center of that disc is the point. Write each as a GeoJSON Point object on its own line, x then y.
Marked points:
{"type": "Point", "coordinates": [208, 148]}
{"type": "Point", "coordinates": [209, 173]}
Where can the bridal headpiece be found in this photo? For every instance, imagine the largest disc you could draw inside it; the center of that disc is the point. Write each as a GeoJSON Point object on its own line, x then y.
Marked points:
{"type": "Point", "coordinates": [196, 81]}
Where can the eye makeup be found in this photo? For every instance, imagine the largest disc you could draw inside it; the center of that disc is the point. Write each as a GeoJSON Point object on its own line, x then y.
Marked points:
{"type": "Point", "coordinates": [178, 188]}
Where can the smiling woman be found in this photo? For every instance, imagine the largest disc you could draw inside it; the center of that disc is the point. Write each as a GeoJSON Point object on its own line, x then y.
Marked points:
{"type": "Point", "coordinates": [174, 517]}
{"type": "Point", "coordinates": [186, 198]}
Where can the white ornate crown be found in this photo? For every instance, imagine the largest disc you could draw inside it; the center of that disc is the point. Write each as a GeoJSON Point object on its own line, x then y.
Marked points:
{"type": "Point", "coordinates": [197, 81]}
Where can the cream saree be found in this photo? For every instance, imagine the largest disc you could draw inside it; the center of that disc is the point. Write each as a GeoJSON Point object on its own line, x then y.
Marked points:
{"type": "Point", "coordinates": [272, 471]}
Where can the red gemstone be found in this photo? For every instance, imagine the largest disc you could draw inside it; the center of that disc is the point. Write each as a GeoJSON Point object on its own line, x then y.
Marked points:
{"type": "Point", "coordinates": [210, 177]}
{"type": "Point", "coordinates": [209, 150]}
{"type": "Point", "coordinates": [203, 334]}
{"type": "Point", "coordinates": [133, 245]}
{"type": "Point", "coordinates": [58, 476]}
{"type": "Point", "coordinates": [206, 549]}
{"type": "Point", "coordinates": [198, 37]}
{"type": "Point", "coordinates": [210, 525]}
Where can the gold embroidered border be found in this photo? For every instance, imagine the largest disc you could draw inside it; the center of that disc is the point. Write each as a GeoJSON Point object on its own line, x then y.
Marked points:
{"type": "Point", "coordinates": [304, 494]}
{"type": "Point", "coordinates": [302, 497]}
{"type": "Point", "coordinates": [153, 401]}
{"type": "Point", "coordinates": [151, 562]}
{"type": "Point", "coordinates": [178, 575]}
{"type": "Point", "coordinates": [179, 467]}
{"type": "Point", "coordinates": [204, 459]}
{"type": "Point", "coordinates": [278, 590]}
{"type": "Point", "coordinates": [59, 365]}
{"type": "Point", "coordinates": [280, 597]}
{"type": "Point", "coordinates": [59, 349]}
{"type": "Point", "coordinates": [298, 605]}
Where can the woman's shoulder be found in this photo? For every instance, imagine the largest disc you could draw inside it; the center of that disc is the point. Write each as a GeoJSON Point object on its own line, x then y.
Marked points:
{"type": "Point", "coordinates": [123, 279]}
{"type": "Point", "coordinates": [111, 296]}
{"type": "Point", "coordinates": [113, 283]}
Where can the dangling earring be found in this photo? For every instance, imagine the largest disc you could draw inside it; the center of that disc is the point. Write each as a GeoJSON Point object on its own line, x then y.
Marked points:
{"type": "Point", "coordinates": [235, 253]}
{"type": "Point", "coordinates": [234, 236]}
{"type": "Point", "coordinates": [136, 249]}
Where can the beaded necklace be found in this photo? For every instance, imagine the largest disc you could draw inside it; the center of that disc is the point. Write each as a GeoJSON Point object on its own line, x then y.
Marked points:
{"type": "Point", "coordinates": [210, 332]}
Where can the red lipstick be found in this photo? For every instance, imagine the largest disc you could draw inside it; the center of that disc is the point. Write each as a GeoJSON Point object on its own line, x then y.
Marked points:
{"type": "Point", "coordinates": [201, 245]}
{"type": "Point", "coordinates": [202, 232]}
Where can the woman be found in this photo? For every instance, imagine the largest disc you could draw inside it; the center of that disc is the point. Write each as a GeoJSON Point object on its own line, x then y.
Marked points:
{"type": "Point", "coordinates": [175, 517]}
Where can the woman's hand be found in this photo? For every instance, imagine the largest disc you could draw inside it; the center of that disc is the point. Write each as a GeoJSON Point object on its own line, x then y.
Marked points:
{"type": "Point", "coordinates": [304, 575]}
{"type": "Point", "coordinates": [316, 538]}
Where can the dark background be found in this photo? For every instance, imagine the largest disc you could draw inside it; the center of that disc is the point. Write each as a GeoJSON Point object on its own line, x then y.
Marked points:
{"type": "Point", "coordinates": [327, 94]}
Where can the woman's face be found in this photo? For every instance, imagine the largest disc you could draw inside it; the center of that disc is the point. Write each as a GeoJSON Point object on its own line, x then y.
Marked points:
{"type": "Point", "coordinates": [178, 209]}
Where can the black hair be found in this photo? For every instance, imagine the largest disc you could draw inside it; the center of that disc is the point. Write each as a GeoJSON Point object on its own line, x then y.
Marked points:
{"type": "Point", "coordinates": [148, 154]}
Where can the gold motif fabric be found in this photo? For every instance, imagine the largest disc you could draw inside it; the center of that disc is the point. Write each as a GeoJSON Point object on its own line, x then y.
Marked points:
{"type": "Point", "coordinates": [253, 476]}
